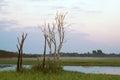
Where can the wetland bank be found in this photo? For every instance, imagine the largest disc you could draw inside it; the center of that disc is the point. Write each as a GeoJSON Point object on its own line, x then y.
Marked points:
{"type": "Point", "coordinates": [63, 75]}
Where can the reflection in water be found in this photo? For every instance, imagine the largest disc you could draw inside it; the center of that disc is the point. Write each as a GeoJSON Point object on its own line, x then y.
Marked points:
{"type": "Point", "coordinates": [94, 69]}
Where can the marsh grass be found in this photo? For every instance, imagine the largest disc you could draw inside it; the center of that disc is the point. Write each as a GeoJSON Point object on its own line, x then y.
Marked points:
{"type": "Point", "coordinates": [67, 62]}
{"type": "Point", "coordinates": [64, 75]}
{"type": "Point", "coordinates": [91, 62]}
{"type": "Point", "coordinates": [30, 74]}
{"type": "Point", "coordinates": [51, 66]}
{"type": "Point", "coordinates": [30, 61]}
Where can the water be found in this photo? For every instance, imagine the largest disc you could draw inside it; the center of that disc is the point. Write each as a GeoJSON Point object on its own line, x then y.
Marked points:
{"type": "Point", "coordinates": [84, 69]}
{"type": "Point", "coordinates": [94, 69]}
{"type": "Point", "coordinates": [11, 67]}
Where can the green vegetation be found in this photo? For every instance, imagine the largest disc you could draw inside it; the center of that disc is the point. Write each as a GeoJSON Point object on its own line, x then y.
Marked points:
{"type": "Point", "coordinates": [76, 62]}
{"type": "Point", "coordinates": [61, 75]}
{"type": "Point", "coordinates": [91, 62]}
{"type": "Point", "coordinates": [51, 66]}
{"type": "Point", "coordinates": [27, 75]}
{"type": "Point", "coordinates": [14, 61]}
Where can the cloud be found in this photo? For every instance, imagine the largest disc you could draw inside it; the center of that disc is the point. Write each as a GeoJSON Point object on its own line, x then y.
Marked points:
{"type": "Point", "coordinates": [1, 2]}
{"type": "Point", "coordinates": [20, 28]}
{"type": "Point", "coordinates": [6, 24]}
{"type": "Point", "coordinates": [93, 11]}
{"type": "Point", "coordinates": [76, 7]}
{"type": "Point", "coordinates": [88, 11]}
{"type": "Point", "coordinates": [82, 3]}
{"type": "Point", "coordinates": [9, 25]}
{"type": "Point", "coordinates": [2, 5]}
{"type": "Point", "coordinates": [32, 29]}
{"type": "Point", "coordinates": [58, 7]}
{"type": "Point", "coordinates": [87, 7]}
{"type": "Point", "coordinates": [38, 0]}
{"type": "Point", "coordinates": [108, 35]}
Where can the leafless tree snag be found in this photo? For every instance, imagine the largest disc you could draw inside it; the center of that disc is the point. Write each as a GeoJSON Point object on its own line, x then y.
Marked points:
{"type": "Point", "coordinates": [44, 30]}
{"type": "Point", "coordinates": [54, 40]}
{"type": "Point", "coordinates": [20, 51]}
{"type": "Point", "coordinates": [51, 38]}
{"type": "Point", "coordinates": [54, 36]}
{"type": "Point", "coordinates": [61, 30]}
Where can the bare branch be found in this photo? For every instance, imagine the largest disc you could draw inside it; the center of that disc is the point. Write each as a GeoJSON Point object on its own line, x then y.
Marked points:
{"type": "Point", "coordinates": [18, 41]}
{"type": "Point", "coordinates": [17, 47]}
{"type": "Point", "coordinates": [26, 35]}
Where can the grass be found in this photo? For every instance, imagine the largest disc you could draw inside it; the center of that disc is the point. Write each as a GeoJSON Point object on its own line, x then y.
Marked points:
{"type": "Point", "coordinates": [14, 61]}
{"type": "Point", "coordinates": [75, 62]}
{"type": "Point", "coordinates": [92, 62]}
{"type": "Point", "coordinates": [11, 75]}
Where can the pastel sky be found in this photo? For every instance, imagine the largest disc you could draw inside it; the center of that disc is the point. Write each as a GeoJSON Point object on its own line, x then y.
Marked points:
{"type": "Point", "coordinates": [94, 24]}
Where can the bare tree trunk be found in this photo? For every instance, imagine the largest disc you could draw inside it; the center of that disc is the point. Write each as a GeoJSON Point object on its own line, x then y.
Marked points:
{"type": "Point", "coordinates": [50, 53]}
{"type": "Point", "coordinates": [50, 47]}
{"type": "Point", "coordinates": [44, 56]}
{"type": "Point", "coordinates": [55, 51]}
{"type": "Point", "coordinates": [20, 51]}
{"type": "Point", "coordinates": [60, 27]}
{"type": "Point", "coordinates": [45, 44]}
{"type": "Point", "coordinates": [21, 59]}
{"type": "Point", "coordinates": [18, 62]}
{"type": "Point", "coordinates": [58, 55]}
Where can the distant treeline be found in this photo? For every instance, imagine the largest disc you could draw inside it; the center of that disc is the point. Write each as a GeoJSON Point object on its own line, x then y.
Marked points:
{"type": "Point", "coordinates": [94, 53]}
{"type": "Point", "coordinates": [8, 54]}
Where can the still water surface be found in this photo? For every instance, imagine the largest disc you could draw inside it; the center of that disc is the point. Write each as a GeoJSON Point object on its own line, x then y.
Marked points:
{"type": "Point", "coordinates": [94, 69]}
{"type": "Point", "coordinates": [11, 67]}
{"type": "Point", "coordinates": [84, 69]}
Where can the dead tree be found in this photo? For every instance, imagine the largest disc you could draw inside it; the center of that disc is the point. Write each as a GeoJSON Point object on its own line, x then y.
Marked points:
{"type": "Point", "coordinates": [44, 30]}
{"type": "Point", "coordinates": [61, 31]}
{"type": "Point", "coordinates": [54, 40]}
{"type": "Point", "coordinates": [20, 51]}
{"type": "Point", "coordinates": [51, 39]}
{"type": "Point", "coordinates": [50, 36]}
